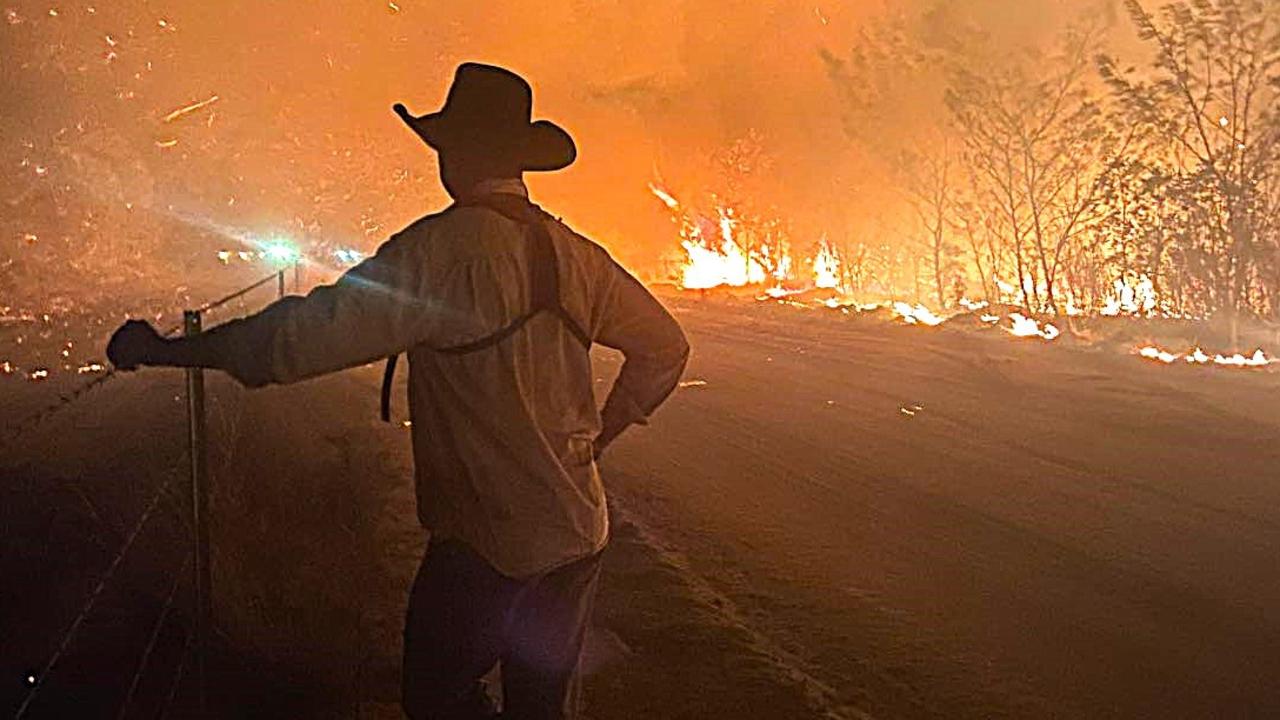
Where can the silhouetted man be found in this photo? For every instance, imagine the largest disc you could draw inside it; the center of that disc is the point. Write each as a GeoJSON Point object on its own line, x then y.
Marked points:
{"type": "Point", "coordinates": [497, 305]}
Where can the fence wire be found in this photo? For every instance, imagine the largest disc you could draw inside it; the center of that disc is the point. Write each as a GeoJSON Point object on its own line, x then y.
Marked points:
{"type": "Point", "coordinates": [69, 636]}
{"type": "Point", "coordinates": [67, 640]}
{"type": "Point", "coordinates": [161, 618]}
{"type": "Point", "coordinates": [65, 400]}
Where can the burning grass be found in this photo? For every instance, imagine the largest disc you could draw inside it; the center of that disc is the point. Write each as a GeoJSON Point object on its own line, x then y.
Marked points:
{"type": "Point", "coordinates": [723, 256]}
{"type": "Point", "coordinates": [1146, 338]}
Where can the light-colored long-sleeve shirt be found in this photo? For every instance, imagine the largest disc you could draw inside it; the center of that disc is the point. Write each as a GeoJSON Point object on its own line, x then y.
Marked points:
{"type": "Point", "coordinates": [502, 437]}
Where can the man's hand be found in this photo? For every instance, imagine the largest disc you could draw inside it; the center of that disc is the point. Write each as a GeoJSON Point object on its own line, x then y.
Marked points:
{"type": "Point", "coordinates": [604, 439]}
{"type": "Point", "coordinates": [134, 343]}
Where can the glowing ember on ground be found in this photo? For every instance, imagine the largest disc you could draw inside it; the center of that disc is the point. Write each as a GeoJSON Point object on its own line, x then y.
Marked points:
{"type": "Point", "coordinates": [1024, 326]}
{"type": "Point", "coordinates": [1197, 356]}
{"type": "Point", "coordinates": [777, 292]}
{"type": "Point", "coordinates": [1155, 353]}
{"type": "Point", "coordinates": [1258, 359]}
{"type": "Point", "coordinates": [916, 315]}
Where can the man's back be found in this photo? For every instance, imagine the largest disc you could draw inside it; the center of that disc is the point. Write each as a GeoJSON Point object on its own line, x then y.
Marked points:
{"type": "Point", "coordinates": [504, 435]}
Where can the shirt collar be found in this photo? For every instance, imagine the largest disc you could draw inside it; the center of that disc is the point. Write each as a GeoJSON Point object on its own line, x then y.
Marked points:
{"type": "Point", "coordinates": [503, 186]}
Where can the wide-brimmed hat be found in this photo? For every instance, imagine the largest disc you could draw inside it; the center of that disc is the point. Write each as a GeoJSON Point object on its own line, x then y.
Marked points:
{"type": "Point", "coordinates": [489, 110]}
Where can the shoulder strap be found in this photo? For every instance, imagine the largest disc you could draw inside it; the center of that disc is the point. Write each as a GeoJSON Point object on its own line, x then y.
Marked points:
{"type": "Point", "coordinates": [544, 284]}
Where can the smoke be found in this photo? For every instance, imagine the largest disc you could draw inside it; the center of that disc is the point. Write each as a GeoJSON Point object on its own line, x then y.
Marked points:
{"type": "Point", "coordinates": [302, 142]}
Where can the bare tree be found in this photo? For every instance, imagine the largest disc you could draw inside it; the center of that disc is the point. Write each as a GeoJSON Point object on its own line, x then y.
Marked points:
{"type": "Point", "coordinates": [1037, 142]}
{"type": "Point", "coordinates": [1211, 104]}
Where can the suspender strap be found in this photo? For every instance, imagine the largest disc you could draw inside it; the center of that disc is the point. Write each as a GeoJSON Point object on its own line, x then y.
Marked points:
{"type": "Point", "coordinates": [388, 380]}
{"type": "Point", "coordinates": [544, 285]}
{"type": "Point", "coordinates": [544, 275]}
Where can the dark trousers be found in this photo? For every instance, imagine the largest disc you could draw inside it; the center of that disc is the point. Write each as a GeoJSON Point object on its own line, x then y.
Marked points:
{"type": "Point", "coordinates": [464, 617]}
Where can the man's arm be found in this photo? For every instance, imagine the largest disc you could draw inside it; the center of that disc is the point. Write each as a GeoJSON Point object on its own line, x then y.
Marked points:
{"type": "Point", "coordinates": [655, 352]}
{"type": "Point", "coordinates": [374, 310]}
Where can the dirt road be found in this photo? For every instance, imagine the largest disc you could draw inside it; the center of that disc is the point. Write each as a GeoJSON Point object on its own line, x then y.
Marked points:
{"type": "Point", "coordinates": [929, 523]}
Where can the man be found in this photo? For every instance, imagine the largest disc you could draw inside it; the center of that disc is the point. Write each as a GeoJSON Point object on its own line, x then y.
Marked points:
{"type": "Point", "coordinates": [496, 304]}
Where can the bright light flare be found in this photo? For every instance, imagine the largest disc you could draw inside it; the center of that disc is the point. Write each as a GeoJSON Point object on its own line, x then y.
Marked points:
{"type": "Point", "coordinates": [279, 251]}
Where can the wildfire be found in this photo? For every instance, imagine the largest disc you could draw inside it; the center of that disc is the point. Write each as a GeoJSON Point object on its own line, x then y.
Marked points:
{"type": "Point", "coordinates": [1197, 356]}
{"type": "Point", "coordinates": [1138, 298]}
{"type": "Point", "coordinates": [826, 267]}
{"type": "Point", "coordinates": [715, 256]}
{"type": "Point", "coordinates": [724, 263]}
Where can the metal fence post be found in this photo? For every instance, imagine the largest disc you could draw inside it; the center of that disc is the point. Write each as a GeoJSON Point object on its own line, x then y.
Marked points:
{"type": "Point", "coordinates": [280, 282]}
{"type": "Point", "coordinates": [197, 438]}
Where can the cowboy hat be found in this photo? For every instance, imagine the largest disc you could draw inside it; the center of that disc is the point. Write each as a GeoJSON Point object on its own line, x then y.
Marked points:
{"type": "Point", "coordinates": [489, 110]}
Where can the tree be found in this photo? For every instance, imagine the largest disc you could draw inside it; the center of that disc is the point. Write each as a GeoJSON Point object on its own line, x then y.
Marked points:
{"type": "Point", "coordinates": [1037, 142]}
{"type": "Point", "coordinates": [1211, 111]}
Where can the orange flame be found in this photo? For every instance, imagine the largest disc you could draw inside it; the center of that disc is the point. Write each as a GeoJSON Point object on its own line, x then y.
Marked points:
{"type": "Point", "coordinates": [714, 261]}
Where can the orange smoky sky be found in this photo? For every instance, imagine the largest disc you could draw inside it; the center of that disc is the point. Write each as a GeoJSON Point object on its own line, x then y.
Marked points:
{"type": "Point", "coordinates": [301, 139]}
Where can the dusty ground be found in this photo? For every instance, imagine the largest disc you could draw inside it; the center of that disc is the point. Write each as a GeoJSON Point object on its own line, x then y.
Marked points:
{"type": "Point", "coordinates": [1054, 532]}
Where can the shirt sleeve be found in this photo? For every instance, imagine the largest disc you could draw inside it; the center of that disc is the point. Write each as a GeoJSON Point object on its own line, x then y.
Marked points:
{"type": "Point", "coordinates": [654, 348]}
{"type": "Point", "coordinates": [381, 307]}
